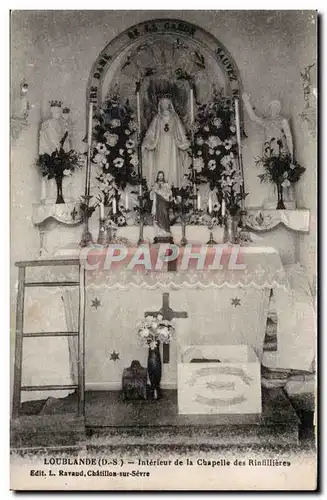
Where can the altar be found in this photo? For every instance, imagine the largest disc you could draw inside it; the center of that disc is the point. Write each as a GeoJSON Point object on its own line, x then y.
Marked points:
{"type": "Point", "coordinates": [166, 230]}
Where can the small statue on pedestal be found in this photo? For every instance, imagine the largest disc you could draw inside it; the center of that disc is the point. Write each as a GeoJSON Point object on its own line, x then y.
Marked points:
{"type": "Point", "coordinates": [161, 195]}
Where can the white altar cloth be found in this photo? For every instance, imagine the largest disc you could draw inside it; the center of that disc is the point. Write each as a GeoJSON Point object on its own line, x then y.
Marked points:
{"type": "Point", "coordinates": [125, 295]}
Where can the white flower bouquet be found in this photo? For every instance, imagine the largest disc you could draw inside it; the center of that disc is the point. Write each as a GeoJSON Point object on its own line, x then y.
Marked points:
{"type": "Point", "coordinates": [153, 330]}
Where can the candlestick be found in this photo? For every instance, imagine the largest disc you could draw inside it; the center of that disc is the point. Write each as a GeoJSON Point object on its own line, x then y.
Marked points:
{"type": "Point", "coordinates": [199, 201]}
{"type": "Point", "coordinates": [210, 203]}
{"type": "Point", "coordinates": [101, 207]}
{"type": "Point", "coordinates": [239, 144]}
{"type": "Point", "coordinates": [238, 123]}
{"type": "Point", "coordinates": [191, 105]}
{"type": "Point", "coordinates": [126, 200]}
{"type": "Point", "coordinates": [138, 106]}
{"type": "Point", "coordinates": [114, 206]}
{"type": "Point", "coordinates": [89, 145]}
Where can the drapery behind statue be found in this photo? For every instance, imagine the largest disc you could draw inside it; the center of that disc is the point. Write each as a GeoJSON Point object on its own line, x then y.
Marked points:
{"type": "Point", "coordinates": [165, 146]}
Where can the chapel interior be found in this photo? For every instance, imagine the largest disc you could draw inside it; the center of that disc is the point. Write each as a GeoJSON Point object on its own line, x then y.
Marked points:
{"type": "Point", "coordinates": [162, 179]}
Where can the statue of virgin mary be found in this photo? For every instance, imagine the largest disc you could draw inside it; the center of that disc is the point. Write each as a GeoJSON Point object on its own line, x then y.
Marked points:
{"type": "Point", "coordinates": [165, 145]}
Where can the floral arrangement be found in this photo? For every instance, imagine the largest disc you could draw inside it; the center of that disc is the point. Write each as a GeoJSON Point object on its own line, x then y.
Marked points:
{"type": "Point", "coordinates": [230, 183]}
{"type": "Point", "coordinates": [60, 163]}
{"type": "Point", "coordinates": [215, 152]}
{"type": "Point", "coordinates": [153, 330]}
{"type": "Point", "coordinates": [214, 138]}
{"type": "Point", "coordinates": [279, 167]}
{"type": "Point", "coordinates": [115, 146]}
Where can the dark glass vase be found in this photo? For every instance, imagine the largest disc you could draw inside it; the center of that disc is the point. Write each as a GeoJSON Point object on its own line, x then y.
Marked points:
{"type": "Point", "coordinates": [60, 198]}
{"type": "Point", "coordinates": [154, 371]}
{"type": "Point", "coordinates": [280, 199]}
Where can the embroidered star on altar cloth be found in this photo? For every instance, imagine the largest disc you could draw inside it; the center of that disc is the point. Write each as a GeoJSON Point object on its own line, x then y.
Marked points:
{"type": "Point", "coordinates": [114, 356]}
{"type": "Point", "coordinates": [96, 303]}
{"type": "Point", "coordinates": [236, 302]}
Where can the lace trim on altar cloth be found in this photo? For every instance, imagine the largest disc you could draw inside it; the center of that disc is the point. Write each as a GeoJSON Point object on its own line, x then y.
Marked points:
{"type": "Point", "coordinates": [259, 278]}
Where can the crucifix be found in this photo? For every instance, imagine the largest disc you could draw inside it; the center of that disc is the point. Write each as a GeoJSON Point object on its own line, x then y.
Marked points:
{"type": "Point", "coordinates": [168, 314]}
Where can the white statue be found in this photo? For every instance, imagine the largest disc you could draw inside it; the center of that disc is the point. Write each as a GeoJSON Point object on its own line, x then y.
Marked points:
{"type": "Point", "coordinates": [53, 130]}
{"type": "Point", "coordinates": [275, 125]}
{"type": "Point", "coordinates": [165, 145]}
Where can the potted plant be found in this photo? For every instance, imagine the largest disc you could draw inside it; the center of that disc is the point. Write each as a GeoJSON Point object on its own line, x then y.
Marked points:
{"type": "Point", "coordinates": [279, 169]}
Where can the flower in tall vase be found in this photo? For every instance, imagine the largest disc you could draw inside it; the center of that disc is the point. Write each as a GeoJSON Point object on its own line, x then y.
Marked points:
{"type": "Point", "coordinates": [151, 331]}
{"type": "Point", "coordinates": [232, 196]}
{"type": "Point", "coordinates": [58, 164]}
{"type": "Point", "coordinates": [279, 169]}
{"type": "Point", "coordinates": [215, 146]}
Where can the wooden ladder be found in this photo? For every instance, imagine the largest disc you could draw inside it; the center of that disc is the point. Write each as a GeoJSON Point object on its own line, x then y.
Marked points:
{"type": "Point", "coordinates": [20, 335]}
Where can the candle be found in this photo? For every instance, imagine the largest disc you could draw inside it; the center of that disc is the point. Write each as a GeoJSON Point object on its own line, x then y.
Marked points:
{"type": "Point", "coordinates": [126, 200]}
{"type": "Point", "coordinates": [89, 129]}
{"type": "Point", "coordinates": [238, 123]}
{"type": "Point", "coordinates": [101, 206]}
{"type": "Point", "coordinates": [191, 106]}
{"type": "Point", "coordinates": [210, 204]}
{"type": "Point", "coordinates": [140, 189]}
{"type": "Point", "coordinates": [138, 106]}
{"type": "Point", "coordinates": [89, 145]}
{"type": "Point", "coordinates": [199, 201]}
{"type": "Point", "coordinates": [223, 208]}
{"type": "Point", "coordinates": [114, 206]}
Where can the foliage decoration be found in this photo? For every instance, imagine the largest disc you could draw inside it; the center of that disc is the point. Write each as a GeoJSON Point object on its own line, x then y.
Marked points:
{"type": "Point", "coordinates": [114, 147]}
{"type": "Point", "coordinates": [60, 163]}
{"type": "Point", "coordinates": [279, 168]}
{"type": "Point", "coordinates": [215, 152]}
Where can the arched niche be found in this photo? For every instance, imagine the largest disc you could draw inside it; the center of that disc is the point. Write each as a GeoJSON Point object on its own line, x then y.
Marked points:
{"type": "Point", "coordinates": [163, 54]}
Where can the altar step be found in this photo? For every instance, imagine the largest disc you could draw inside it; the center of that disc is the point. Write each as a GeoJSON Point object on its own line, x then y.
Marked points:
{"type": "Point", "coordinates": [61, 431]}
{"type": "Point", "coordinates": [111, 422]}
{"type": "Point", "coordinates": [157, 423]}
{"type": "Point", "coordinates": [254, 435]}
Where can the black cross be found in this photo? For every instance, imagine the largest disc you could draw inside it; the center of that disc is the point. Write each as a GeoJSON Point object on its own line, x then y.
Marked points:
{"type": "Point", "coordinates": [168, 314]}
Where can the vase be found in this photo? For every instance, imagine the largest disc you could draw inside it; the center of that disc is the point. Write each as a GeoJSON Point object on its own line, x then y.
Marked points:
{"type": "Point", "coordinates": [154, 371]}
{"type": "Point", "coordinates": [230, 228]}
{"type": "Point", "coordinates": [60, 198]}
{"type": "Point", "coordinates": [289, 197]}
{"type": "Point", "coordinates": [86, 238]}
{"type": "Point", "coordinates": [280, 199]}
